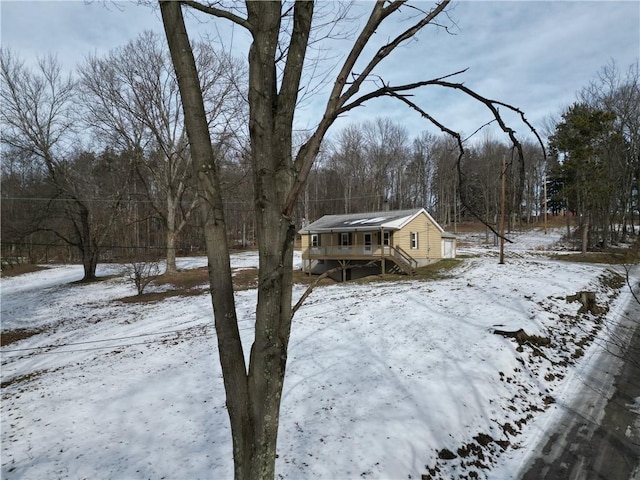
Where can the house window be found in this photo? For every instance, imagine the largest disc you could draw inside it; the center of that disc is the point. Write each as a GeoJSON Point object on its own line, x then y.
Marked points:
{"type": "Point", "coordinates": [315, 240]}
{"type": "Point", "coordinates": [414, 240]}
{"type": "Point", "coordinates": [345, 239]}
{"type": "Point", "coordinates": [386, 239]}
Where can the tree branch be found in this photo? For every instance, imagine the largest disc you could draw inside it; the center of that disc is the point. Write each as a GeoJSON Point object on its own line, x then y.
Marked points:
{"type": "Point", "coordinates": [288, 96]}
{"type": "Point", "coordinates": [218, 12]}
{"type": "Point", "coordinates": [461, 152]}
{"type": "Point", "coordinates": [310, 288]}
{"type": "Point", "coordinates": [308, 151]}
{"type": "Point", "coordinates": [385, 50]}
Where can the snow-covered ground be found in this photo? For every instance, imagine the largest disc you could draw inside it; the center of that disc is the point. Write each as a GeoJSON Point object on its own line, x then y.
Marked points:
{"type": "Point", "coordinates": [385, 380]}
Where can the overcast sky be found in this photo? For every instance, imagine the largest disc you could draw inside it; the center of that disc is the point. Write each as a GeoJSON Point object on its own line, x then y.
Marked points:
{"type": "Point", "coordinates": [534, 55]}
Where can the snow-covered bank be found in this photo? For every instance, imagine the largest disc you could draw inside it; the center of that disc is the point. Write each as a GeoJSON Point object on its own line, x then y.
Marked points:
{"type": "Point", "coordinates": [383, 378]}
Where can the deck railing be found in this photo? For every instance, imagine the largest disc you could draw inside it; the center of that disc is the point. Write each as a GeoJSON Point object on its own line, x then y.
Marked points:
{"type": "Point", "coordinates": [351, 250]}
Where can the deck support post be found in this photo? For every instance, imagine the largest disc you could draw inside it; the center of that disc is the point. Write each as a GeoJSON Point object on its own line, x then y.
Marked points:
{"type": "Point", "coordinates": [343, 264]}
{"type": "Point", "coordinates": [381, 242]}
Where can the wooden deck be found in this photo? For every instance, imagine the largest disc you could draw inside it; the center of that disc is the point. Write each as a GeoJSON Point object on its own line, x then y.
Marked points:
{"type": "Point", "coordinates": [395, 255]}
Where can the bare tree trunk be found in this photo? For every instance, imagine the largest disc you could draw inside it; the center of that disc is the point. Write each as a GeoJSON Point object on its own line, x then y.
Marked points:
{"type": "Point", "coordinates": [254, 395]}
{"type": "Point", "coordinates": [585, 233]}
{"type": "Point", "coordinates": [274, 176]}
{"type": "Point", "coordinates": [89, 263]}
{"type": "Point", "coordinates": [171, 252]}
{"type": "Point", "coordinates": [87, 249]}
{"type": "Point", "coordinates": [172, 235]}
{"type": "Point", "coordinates": [212, 213]}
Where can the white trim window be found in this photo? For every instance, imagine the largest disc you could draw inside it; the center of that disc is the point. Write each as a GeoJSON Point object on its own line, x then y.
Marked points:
{"type": "Point", "coordinates": [345, 239]}
{"type": "Point", "coordinates": [386, 239]}
{"type": "Point", "coordinates": [414, 240]}
{"type": "Point", "coordinates": [315, 240]}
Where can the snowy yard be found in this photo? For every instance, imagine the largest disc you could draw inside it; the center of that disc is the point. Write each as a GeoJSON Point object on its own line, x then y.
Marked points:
{"type": "Point", "coordinates": [387, 380]}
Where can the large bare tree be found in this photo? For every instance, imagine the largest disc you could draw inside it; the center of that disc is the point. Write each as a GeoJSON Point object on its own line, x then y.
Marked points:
{"type": "Point", "coordinates": [38, 117]}
{"type": "Point", "coordinates": [349, 162]}
{"type": "Point", "coordinates": [281, 35]}
{"type": "Point", "coordinates": [388, 154]}
{"type": "Point", "coordinates": [132, 97]}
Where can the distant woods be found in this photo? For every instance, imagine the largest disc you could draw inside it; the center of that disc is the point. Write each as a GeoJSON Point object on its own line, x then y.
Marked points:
{"type": "Point", "coordinates": [376, 165]}
{"type": "Point", "coordinates": [96, 164]}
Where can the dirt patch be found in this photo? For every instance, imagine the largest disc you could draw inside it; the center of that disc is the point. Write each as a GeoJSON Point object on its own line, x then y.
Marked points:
{"type": "Point", "coordinates": [613, 280]}
{"type": "Point", "coordinates": [21, 378]}
{"type": "Point", "coordinates": [438, 270]}
{"type": "Point", "coordinates": [523, 338]}
{"type": "Point", "coordinates": [21, 269]}
{"type": "Point", "coordinates": [611, 256]}
{"type": "Point", "coordinates": [192, 282]}
{"type": "Point", "coordinates": [303, 278]}
{"type": "Point", "coordinates": [184, 279]}
{"type": "Point", "coordinates": [477, 455]}
{"type": "Point", "coordinates": [445, 454]}
{"type": "Point", "coordinates": [12, 336]}
{"type": "Point", "coordinates": [435, 271]}
{"type": "Point", "coordinates": [159, 296]}
{"type": "Point", "coordinates": [95, 280]}
{"type": "Point", "coordinates": [245, 278]}
{"type": "Point", "coordinates": [184, 283]}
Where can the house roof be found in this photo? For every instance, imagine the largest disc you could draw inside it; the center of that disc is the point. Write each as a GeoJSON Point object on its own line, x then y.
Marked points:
{"type": "Point", "coordinates": [389, 220]}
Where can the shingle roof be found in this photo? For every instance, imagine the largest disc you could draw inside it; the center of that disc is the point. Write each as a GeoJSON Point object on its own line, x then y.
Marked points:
{"type": "Point", "coordinates": [391, 220]}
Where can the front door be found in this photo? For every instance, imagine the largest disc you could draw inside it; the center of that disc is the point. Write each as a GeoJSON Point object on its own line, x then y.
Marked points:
{"type": "Point", "coordinates": [367, 242]}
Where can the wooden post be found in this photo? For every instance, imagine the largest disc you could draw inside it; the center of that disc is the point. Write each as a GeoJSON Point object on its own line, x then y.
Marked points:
{"type": "Point", "coordinates": [309, 237]}
{"type": "Point", "coordinates": [455, 208]}
{"type": "Point", "coordinates": [382, 251]}
{"type": "Point", "coordinates": [545, 203]}
{"type": "Point", "coordinates": [502, 206]}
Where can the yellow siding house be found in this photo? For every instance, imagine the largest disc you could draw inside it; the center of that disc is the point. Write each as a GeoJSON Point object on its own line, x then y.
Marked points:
{"type": "Point", "coordinates": [357, 245]}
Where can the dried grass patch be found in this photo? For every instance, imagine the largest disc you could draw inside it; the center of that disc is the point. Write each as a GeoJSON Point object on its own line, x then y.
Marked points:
{"type": "Point", "coordinates": [12, 336]}
{"type": "Point", "coordinates": [21, 269]}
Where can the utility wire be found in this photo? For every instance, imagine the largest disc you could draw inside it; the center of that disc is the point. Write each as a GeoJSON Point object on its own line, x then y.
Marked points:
{"type": "Point", "coordinates": [114, 339]}
{"type": "Point", "coordinates": [193, 335]}
{"type": "Point", "coordinates": [185, 202]}
{"type": "Point", "coordinates": [107, 347]}
{"type": "Point", "coordinates": [101, 247]}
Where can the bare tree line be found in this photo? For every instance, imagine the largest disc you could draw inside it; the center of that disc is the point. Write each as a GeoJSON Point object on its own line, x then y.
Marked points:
{"type": "Point", "coordinates": [97, 164]}
{"type": "Point", "coordinates": [101, 159]}
{"type": "Point", "coordinates": [375, 166]}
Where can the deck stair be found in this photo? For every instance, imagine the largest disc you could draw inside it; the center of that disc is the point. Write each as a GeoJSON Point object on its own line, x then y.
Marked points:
{"type": "Point", "coordinates": [403, 261]}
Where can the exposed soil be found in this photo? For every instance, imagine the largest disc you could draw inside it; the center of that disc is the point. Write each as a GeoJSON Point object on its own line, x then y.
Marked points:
{"type": "Point", "coordinates": [548, 357]}
{"type": "Point", "coordinates": [609, 256]}
{"type": "Point", "coordinates": [8, 337]}
{"type": "Point", "coordinates": [597, 440]}
{"type": "Point", "coordinates": [184, 279]}
{"type": "Point", "coordinates": [21, 269]}
{"type": "Point", "coordinates": [192, 282]}
{"type": "Point", "coordinates": [21, 378]}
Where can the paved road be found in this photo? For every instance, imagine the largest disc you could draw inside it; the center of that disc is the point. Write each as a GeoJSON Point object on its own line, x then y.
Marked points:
{"type": "Point", "coordinates": [598, 437]}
